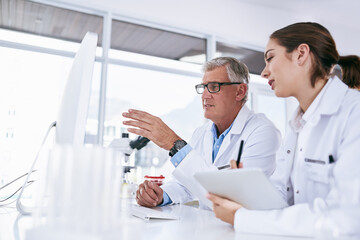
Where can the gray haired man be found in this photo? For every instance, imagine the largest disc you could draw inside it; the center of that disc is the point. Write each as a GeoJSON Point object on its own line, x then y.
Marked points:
{"type": "Point", "coordinates": [224, 90]}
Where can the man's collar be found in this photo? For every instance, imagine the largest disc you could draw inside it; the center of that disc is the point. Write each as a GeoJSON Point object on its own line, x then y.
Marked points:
{"type": "Point", "coordinates": [214, 131]}
{"type": "Point", "coordinates": [239, 122]}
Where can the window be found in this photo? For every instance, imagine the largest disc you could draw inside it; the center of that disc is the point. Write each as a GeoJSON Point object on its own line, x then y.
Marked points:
{"type": "Point", "coordinates": [38, 60]}
{"type": "Point", "coordinates": [169, 96]}
{"type": "Point", "coordinates": [274, 108]}
{"type": "Point", "coordinates": [263, 100]}
{"type": "Point", "coordinates": [252, 58]}
{"type": "Point", "coordinates": [32, 82]}
{"type": "Point", "coordinates": [32, 85]}
{"type": "Point", "coordinates": [146, 68]}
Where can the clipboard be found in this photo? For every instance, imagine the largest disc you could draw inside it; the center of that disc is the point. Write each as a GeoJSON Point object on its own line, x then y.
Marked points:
{"type": "Point", "coordinates": [249, 187]}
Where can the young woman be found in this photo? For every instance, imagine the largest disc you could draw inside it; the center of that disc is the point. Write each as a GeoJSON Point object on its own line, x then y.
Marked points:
{"type": "Point", "coordinates": [322, 141]}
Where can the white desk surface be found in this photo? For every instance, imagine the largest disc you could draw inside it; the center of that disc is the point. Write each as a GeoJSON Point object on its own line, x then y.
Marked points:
{"type": "Point", "coordinates": [194, 223]}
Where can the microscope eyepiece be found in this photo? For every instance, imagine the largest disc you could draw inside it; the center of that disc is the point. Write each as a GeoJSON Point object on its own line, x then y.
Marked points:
{"type": "Point", "coordinates": [139, 142]}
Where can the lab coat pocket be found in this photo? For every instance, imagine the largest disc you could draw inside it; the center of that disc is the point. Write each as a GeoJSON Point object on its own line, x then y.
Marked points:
{"type": "Point", "coordinates": [317, 170]}
{"type": "Point", "coordinates": [317, 179]}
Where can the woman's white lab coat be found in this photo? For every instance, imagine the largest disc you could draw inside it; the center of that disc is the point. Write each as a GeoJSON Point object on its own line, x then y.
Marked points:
{"type": "Point", "coordinates": [261, 141]}
{"type": "Point", "coordinates": [332, 128]}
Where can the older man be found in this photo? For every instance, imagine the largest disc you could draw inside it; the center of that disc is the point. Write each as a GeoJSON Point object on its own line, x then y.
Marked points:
{"type": "Point", "coordinates": [224, 91]}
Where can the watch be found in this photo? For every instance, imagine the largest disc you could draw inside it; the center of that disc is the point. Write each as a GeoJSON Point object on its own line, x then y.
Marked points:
{"type": "Point", "coordinates": [178, 144]}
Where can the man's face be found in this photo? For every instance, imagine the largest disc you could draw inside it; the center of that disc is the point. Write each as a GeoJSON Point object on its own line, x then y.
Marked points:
{"type": "Point", "coordinates": [219, 107]}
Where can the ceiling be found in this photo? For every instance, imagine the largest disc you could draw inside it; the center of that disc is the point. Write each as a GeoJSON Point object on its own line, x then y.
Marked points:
{"type": "Point", "coordinates": [48, 21]}
{"type": "Point", "coordinates": [245, 23]}
{"type": "Point", "coordinates": [65, 24]}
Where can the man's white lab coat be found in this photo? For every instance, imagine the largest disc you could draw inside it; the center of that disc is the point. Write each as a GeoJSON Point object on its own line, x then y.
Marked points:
{"type": "Point", "coordinates": [261, 141]}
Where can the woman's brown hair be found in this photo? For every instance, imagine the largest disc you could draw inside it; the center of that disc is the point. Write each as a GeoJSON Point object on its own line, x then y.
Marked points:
{"type": "Point", "coordinates": [323, 48]}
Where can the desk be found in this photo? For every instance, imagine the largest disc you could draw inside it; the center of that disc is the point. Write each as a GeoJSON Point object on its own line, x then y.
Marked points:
{"type": "Point", "coordinates": [194, 223]}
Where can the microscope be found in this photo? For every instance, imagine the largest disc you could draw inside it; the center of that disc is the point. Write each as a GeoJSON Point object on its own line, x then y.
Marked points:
{"type": "Point", "coordinates": [125, 146]}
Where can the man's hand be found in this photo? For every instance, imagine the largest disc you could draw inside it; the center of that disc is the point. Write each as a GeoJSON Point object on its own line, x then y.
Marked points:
{"type": "Point", "coordinates": [151, 127]}
{"type": "Point", "coordinates": [149, 194]}
{"type": "Point", "coordinates": [233, 164]}
{"type": "Point", "coordinates": [223, 208]}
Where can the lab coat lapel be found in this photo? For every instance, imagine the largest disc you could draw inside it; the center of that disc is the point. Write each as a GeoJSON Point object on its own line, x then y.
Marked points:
{"type": "Point", "coordinates": [237, 128]}
{"type": "Point", "coordinates": [208, 145]}
{"type": "Point", "coordinates": [334, 87]}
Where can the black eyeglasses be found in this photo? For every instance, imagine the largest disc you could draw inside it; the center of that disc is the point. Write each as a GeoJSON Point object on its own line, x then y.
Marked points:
{"type": "Point", "coordinates": [212, 87]}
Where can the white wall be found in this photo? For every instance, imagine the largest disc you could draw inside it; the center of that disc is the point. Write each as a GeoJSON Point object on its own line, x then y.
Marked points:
{"type": "Point", "coordinates": [247, 22]}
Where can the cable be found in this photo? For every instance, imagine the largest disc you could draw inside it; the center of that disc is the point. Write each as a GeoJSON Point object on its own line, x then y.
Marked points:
{"type": "Point", "coordinates": [15, 180]}
{"type": "Point", "coordinates": [5, 204]}
{"type": "Point", "coordinates": [28, 183]}
{"type": "Point", "coordinates": [20, 207]}
{"type": "Point", "coordinates": [9, 183]}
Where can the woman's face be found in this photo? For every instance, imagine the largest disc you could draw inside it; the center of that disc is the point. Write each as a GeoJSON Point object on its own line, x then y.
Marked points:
{"type": "Point", "coordinates": [281, 70]}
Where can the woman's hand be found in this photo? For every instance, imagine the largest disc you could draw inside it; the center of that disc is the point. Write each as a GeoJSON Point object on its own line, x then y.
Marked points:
{"type": "Point", "coordinates": [223, 208]}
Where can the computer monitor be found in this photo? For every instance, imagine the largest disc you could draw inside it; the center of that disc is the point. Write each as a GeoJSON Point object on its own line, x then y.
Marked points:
{"type": "Point", "coordinates": [72, 116]}
{"type": "Point", "coordinates": [71, 121]}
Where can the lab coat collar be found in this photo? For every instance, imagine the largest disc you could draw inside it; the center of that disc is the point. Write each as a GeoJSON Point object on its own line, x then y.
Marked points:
{"type": "Point", "coordinates": [334, 93]}
{"type": "Point", "coordinates": [240, 120]}
{"type": "Point", "coordinates": [237, 128]}
{"type": "Point", "coordinates": [327, 102]}
{"type": "Point", "coordinates": [238, 123]}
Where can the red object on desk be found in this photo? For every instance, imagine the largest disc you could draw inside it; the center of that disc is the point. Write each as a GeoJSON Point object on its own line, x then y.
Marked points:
{"type": "Point", "coordinates": [155, 179]}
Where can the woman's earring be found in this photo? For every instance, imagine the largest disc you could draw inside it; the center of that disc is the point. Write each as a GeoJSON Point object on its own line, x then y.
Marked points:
{"type": "Point", "coordinates": [298, 62]}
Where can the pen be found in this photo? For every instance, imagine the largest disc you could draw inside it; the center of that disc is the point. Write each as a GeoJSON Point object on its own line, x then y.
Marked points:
{"type": "Point", "coordinates": [331, 159]}
{"type": "Point", "coordinates": [240, 152]}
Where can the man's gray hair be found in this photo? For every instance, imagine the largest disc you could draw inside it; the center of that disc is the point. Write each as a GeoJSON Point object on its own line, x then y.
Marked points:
{"type": "Point", "coordinates": [237, 71]}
